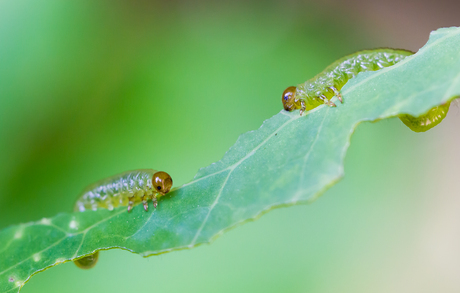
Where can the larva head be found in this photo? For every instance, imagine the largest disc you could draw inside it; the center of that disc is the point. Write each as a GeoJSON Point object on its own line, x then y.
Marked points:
{"type": "Point", "coordinates": [162, 182]}
{"type": "Point", "coordinates": [290, 103]}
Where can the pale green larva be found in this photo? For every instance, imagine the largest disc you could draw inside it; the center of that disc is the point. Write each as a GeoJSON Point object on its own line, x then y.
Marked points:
{"type": "Point", "coordinates": [321, 88]}
{"type": "Point", "coordinates": [125, 189]}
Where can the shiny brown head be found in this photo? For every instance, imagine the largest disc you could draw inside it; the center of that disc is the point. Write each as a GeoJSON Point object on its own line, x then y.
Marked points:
{"type": "Point", "coordinates": [290, 103]}
{"type": "Point", "coordinates": [162, 182]}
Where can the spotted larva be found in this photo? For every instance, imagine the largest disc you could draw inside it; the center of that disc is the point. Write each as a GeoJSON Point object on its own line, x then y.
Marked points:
{"type": "Point", "coordinates": [125, 189]}
{"type": "Point", "coordinates": [321, 88]}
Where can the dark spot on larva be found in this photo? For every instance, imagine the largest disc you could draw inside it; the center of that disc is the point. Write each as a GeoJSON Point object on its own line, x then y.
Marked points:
{"type": "Point", "coordinates": [11, 279]}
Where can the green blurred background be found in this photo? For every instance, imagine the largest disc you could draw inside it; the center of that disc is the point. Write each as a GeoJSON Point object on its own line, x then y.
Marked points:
{"type": "Point", "coordinates": [92, 88]}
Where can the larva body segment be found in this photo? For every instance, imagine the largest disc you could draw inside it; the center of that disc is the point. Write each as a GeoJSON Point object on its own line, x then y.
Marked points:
{"type": "Point", "coordinates": [321, 88]}
{"type": "Point", "coordinates": [117, 190]}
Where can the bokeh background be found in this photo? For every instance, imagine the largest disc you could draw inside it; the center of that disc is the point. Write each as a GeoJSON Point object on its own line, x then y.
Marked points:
{"type": "Point", "coordinates": [92, 88]}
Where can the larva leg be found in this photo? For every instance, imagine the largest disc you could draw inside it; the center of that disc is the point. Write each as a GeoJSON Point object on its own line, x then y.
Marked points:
{"type": "Point", "coordinates": [337, 93]}
{"type": "Point", "coordinates": [303, 107]}
{"type": "Point", "coordinates": [326, 101]}
{"type": "Point", "coordinates": [130, 203]}
{"type": "Point", "coordinates": [145, 202]}
{"type": "Point", "coordinates": [155, 201]}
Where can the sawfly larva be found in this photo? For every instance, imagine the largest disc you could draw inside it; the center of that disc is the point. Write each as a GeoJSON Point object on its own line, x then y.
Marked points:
{"type": "Point", "coordinates": [321, 88]}
{"type": "Point", "coordinates": [126, 189]}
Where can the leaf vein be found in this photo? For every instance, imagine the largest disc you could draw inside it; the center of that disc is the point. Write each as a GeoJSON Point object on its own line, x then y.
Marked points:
{"type": "Point", "coordinates": [307, 156]}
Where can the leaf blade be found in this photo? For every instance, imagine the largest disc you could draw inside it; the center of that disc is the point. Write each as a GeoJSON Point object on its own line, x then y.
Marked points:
{"type": "Point", "coordinates": [290, 159]}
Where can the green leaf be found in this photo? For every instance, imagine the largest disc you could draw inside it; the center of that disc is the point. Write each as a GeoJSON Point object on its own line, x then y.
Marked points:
{"type": "Point", "coordinates": [290, 159]}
